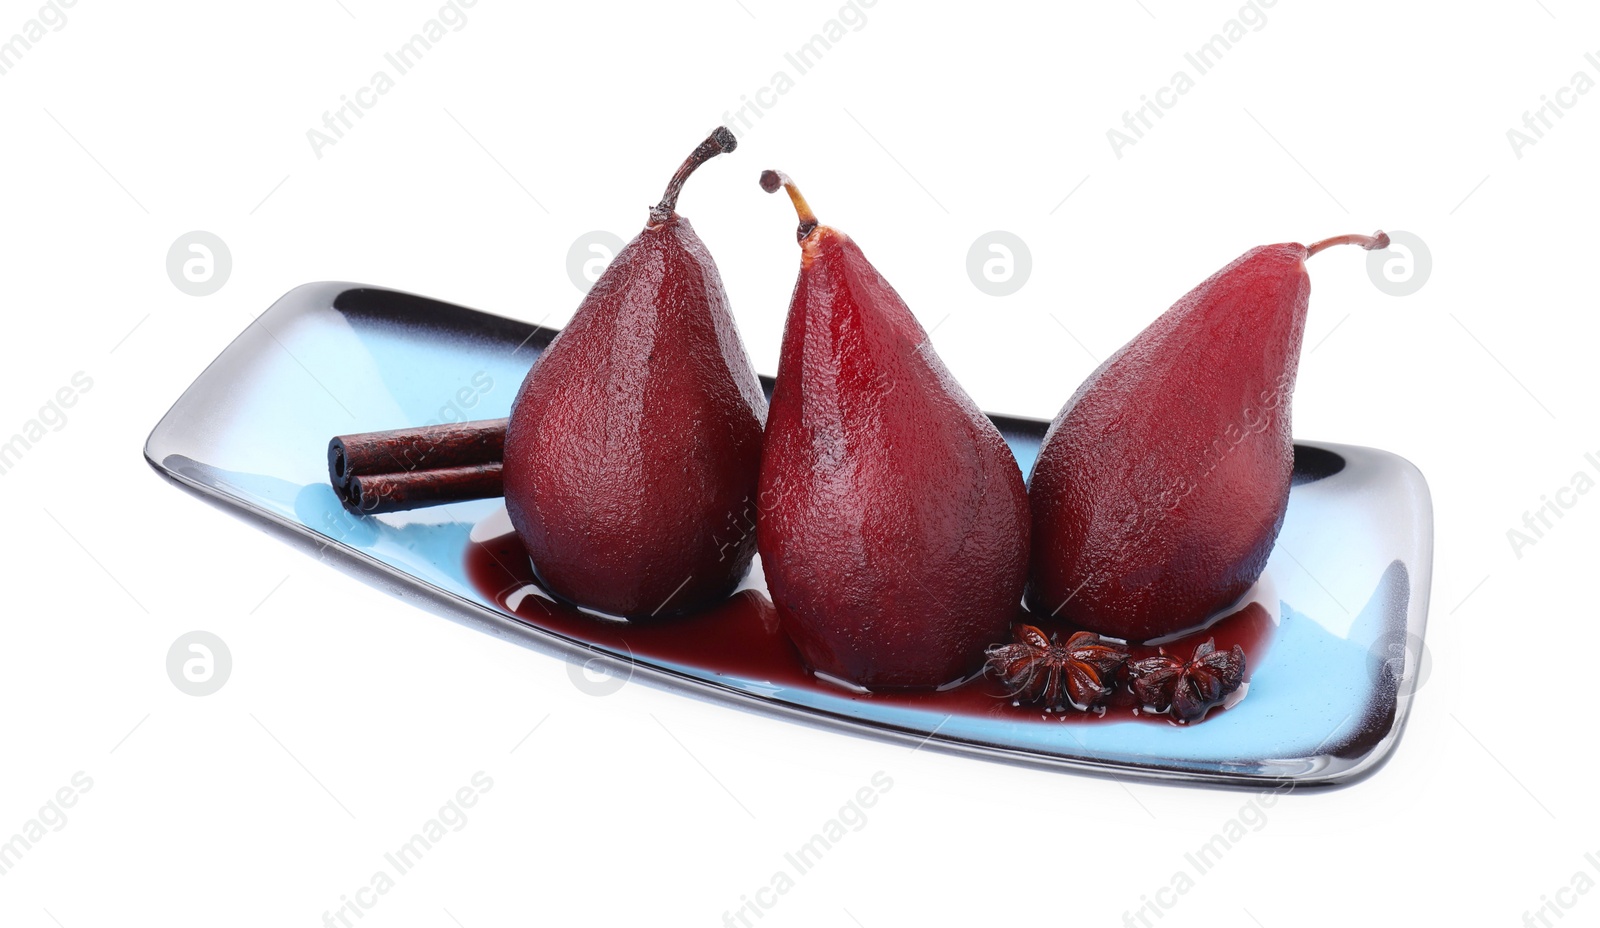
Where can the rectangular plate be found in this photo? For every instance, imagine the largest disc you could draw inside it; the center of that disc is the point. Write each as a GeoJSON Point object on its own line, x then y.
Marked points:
{"type": "Point", "coordinates": [1347, 585]}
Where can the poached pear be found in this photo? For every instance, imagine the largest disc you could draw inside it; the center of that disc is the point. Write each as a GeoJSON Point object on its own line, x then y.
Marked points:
{"type": "Point", "coordinates": [1160, 488]}
{"type": "Point", "coordinates": [634, 445]}
{"type": "Point", "coordinates": [893, 521]}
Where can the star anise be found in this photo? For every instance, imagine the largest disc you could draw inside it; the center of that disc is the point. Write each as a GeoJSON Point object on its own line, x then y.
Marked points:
{"type": "Point", "coordinates": [1188, 690]}
{"type": "Point", "coordinates": [1038, 669]}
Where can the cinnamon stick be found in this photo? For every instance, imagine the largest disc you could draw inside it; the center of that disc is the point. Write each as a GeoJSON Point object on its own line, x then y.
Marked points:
{"type": "Point", "coordinates": [377, 493]}
{"type": "Point", "coordinates": [410, 468]}
{"type": "Point", "coordinates": [423, 448]}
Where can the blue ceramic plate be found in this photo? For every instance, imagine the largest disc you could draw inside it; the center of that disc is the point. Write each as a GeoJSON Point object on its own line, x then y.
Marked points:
{"type": "Point", "coordinates": [1336, 639]}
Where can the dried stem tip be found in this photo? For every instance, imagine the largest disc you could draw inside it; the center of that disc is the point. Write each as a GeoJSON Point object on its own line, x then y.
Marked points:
{"type": "Point", "coordinates": [1376, 240]}
{"type": "Point", "coordinates": [772, 180]}
{"type": "Point", "coordinates": [719, 141]}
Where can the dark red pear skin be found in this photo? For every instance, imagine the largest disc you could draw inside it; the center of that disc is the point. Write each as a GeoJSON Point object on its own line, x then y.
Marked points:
{"type": "Point", "coordinates": [1161, 486]}
{"type": "Point", "coordinates": [634, 445]}
{"type": "Point", "coordinates": [894, 520]}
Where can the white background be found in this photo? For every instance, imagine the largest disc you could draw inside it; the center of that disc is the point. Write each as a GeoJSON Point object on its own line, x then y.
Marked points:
{"type": "Point", "coordinates": [351, 716]}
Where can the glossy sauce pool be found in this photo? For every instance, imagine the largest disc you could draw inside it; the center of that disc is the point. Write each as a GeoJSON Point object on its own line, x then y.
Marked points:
{"type": "Point", "coordinates": [740, 637]}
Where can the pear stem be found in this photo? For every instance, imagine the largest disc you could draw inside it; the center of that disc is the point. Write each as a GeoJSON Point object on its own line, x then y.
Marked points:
{"type": "Point", "coordinates": [719, 141]}
{"type": "Point", "coordinates": [772, 180]}
{"type": "Point", "coordinates": [1378, 239]}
